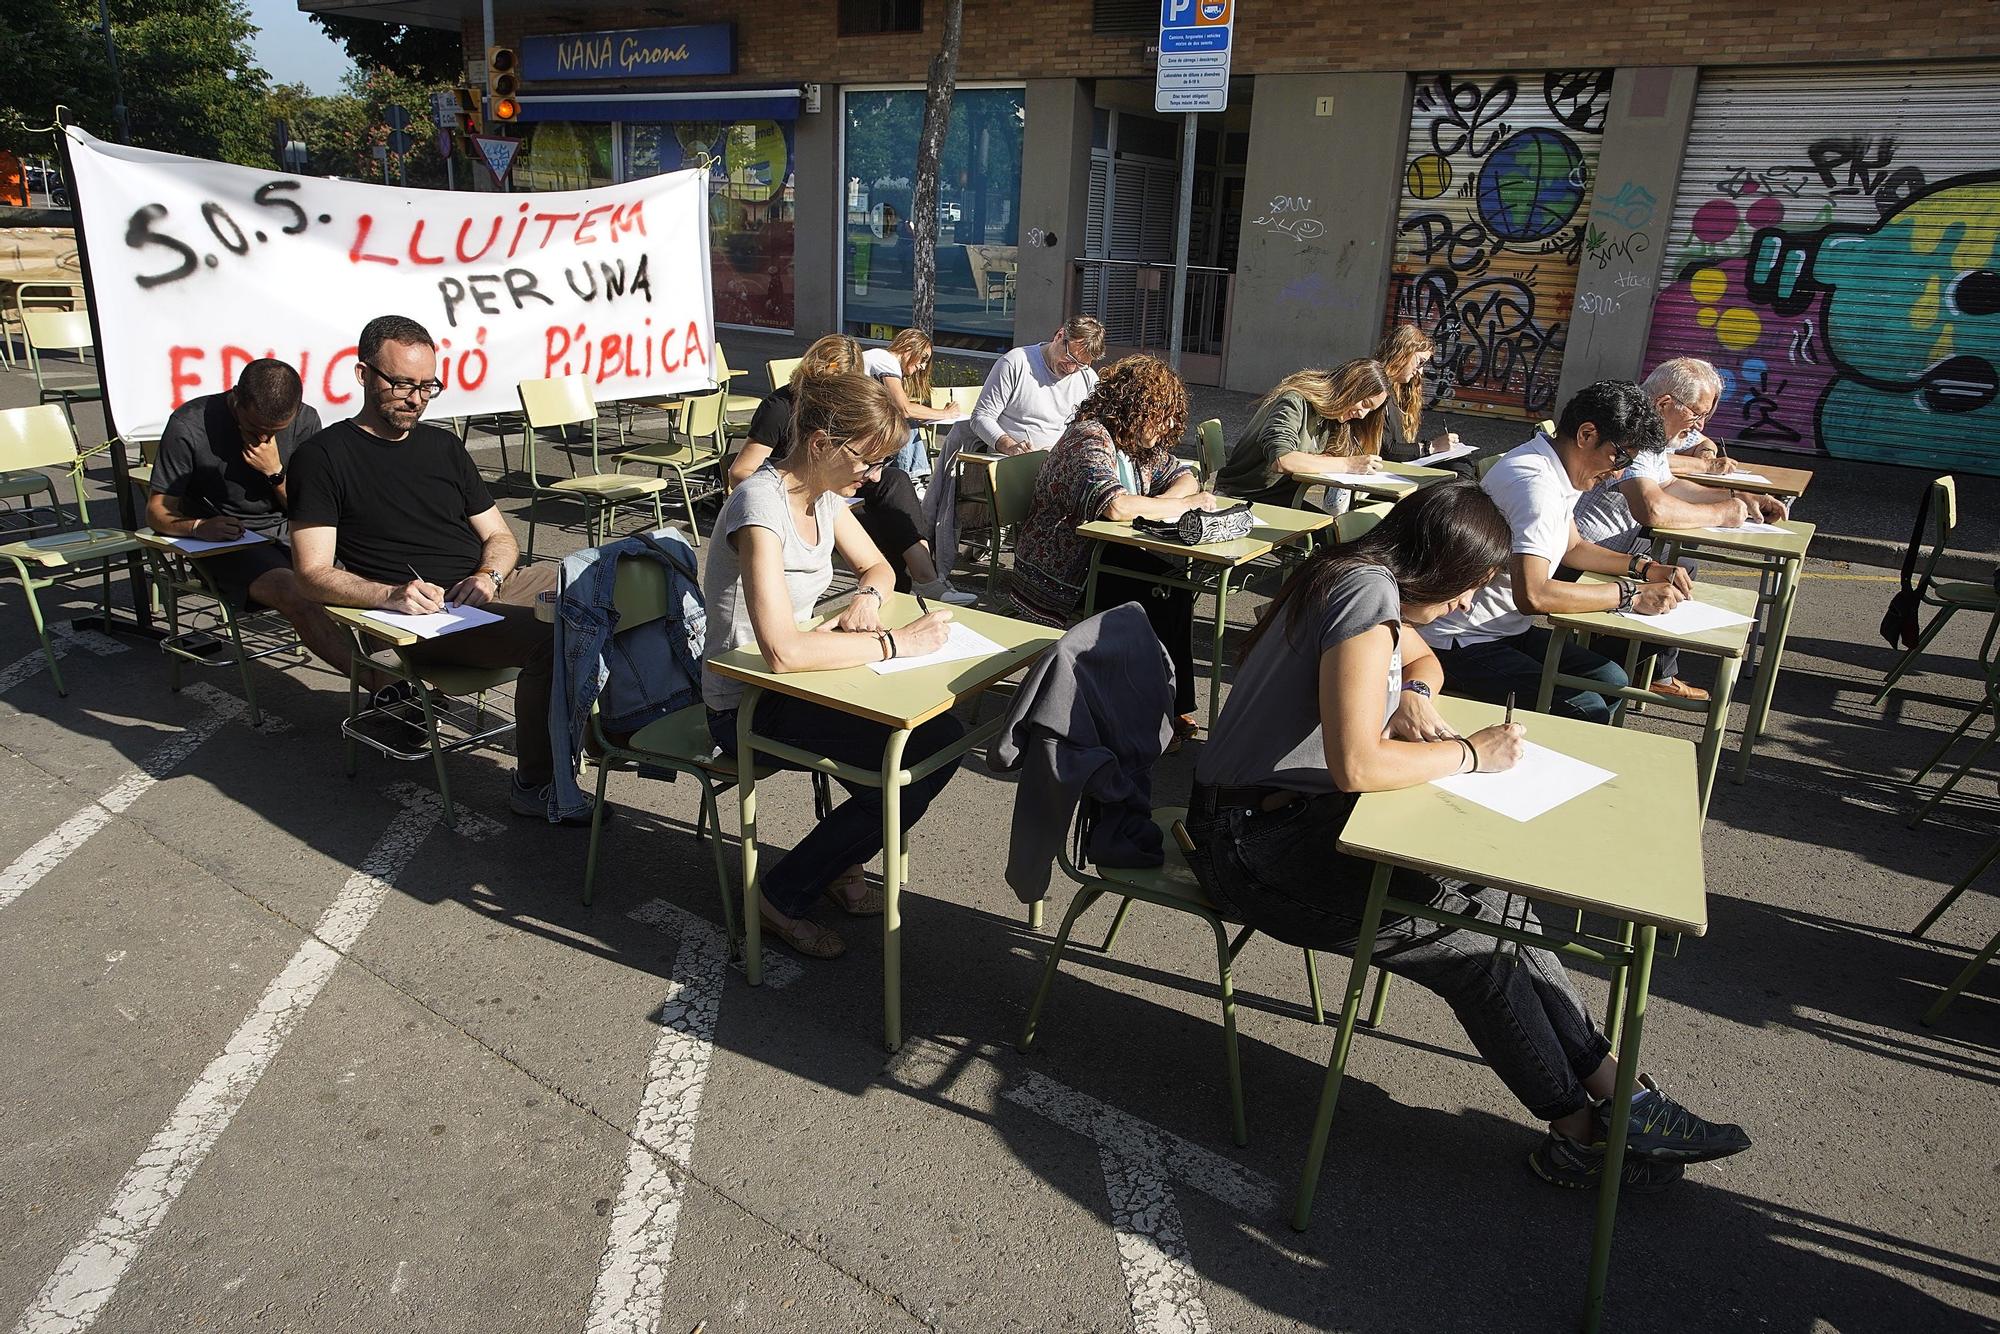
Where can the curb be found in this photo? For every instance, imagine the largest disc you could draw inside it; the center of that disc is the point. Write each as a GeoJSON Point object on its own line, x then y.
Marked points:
{"type": "Point", "coordinates": [1888, 555]}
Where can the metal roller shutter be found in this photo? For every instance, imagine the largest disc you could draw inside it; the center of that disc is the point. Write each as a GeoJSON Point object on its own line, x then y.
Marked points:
{"type": "Point", "coordinates": [1497, 176]}
{"type": "Point", "coordinates": [1833, 253]}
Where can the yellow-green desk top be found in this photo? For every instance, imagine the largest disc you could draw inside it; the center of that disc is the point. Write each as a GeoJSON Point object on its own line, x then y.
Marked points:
{"type": "Point", "coordinates": [55, 550]}
{"type": "Point", "coordinates": [1792, 543]}
{"type": "Point", "coordinates": [1629, 849]}
{"type": "Point", "coordinates": [1275, 526]}
{"type": "Point", "coordinates": [1394, 479]}
{"type": "Point", "coordinates": [1728, 642]}
{"type": "Point", "coordinates": [368, 625]}
{"type": "Point", "coordinates": [899, 699]}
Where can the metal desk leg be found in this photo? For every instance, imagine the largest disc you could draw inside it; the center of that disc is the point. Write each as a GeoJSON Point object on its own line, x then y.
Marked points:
{"type": "Point", "coordinates": [1336, 1065]}
{"type": "Point", "coordinates": [892, 889]}
{"type": "Point", "coordinates": [1716, 725]}
{"type": "Point", "coordinates": [1090, 581]}
{"type": "Point", "coordinates": [1621, 1120]}
{"type": "Point", "coordinates": [1215, 645]}
{"type": "Point", "coordinates": [746, 805]}
{"type": "Point", "coordinates": [1558, 641]}
{"type": "Point", "coordinates": [1765, 684]}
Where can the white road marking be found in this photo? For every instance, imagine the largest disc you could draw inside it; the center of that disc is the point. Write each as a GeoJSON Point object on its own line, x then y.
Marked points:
{"type": "Point", "coordinates": [631, 1279]}
{"type": "Point", "coordinates": [402, 1278]}
{"type": "Point", "coordinates": [55, 848]}
{"type": "Point", "coordinates": [86, 1280]}
{"type": "Point", "coordinates": [61, 639]}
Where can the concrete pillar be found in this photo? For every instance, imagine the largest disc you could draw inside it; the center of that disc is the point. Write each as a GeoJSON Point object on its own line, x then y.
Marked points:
{"type": "Point", "coordinates": [1055, 201]}
{"type": "Point", "coordinates": [1319, 217]}
{"type": "Point", "coordinates": [1638, 166]}
{"type": "Point", "coordinates": [821, 199]}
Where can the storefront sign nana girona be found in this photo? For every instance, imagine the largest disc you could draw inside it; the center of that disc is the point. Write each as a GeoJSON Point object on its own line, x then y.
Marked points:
{"type": "Point", "coordinates": [697, 49]}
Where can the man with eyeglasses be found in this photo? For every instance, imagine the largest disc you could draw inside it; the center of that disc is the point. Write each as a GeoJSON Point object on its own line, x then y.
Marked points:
{"type": "Point", "coordinates": [1492, 649]}
{"type": "Point", "coordinates": [389, 513]}
{"type": "Point", "coordinates": [1027, 402]}
{"type": "Point", "coordinates": [1618, 511]}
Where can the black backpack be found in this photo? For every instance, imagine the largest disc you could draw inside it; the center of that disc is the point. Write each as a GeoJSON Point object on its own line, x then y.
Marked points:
{"type": "Point", "coordinates": [1901, 625]}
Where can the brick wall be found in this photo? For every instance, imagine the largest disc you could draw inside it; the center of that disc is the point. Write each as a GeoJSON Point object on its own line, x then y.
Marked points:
{"type": "Point", "coordinates": [797, 40]}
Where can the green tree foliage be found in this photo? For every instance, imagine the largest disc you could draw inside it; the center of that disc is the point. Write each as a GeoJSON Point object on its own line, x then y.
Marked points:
{"type": "Point", "coordinates": [429, 54]}
{"type": "Point", "coordinates": [191, 82]}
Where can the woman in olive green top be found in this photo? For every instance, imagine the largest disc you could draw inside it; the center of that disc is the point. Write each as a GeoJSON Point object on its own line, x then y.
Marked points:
{"type": "Point", "coordinates": [1313, 422]}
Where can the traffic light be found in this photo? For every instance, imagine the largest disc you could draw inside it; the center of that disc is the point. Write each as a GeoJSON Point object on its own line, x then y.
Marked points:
{"type": "Point", "coordinates": [503, 83]}
{"type": "Point", "coordinates": [470, 123]}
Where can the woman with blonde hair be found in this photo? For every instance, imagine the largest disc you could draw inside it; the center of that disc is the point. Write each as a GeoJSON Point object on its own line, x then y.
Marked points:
{"type": "Point", "coordinates": [890, 508]}
{"type": "Point", "coordinates": [1404, 352]}
{"type": "Point", "coordinates": [1312, 422]}
{"type": "Point", "coordinates": [770, 560]}
{"type": "Point", "coordinates": [1116, 461]}
{"type": "Point", "coordinates": [904, 369]}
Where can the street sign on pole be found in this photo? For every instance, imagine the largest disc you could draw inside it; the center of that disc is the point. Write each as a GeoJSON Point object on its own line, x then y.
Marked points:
{"type": "Point", "coordinates": [498, 155]}
{"type": "Point", "coordinates": [400, 141]}
{"type": "Point", "coordinates": [1195, 39]}
{"type": "Point", "coordinates": [444, 109]}
{"type": "Point", "coordinates": [395, 117]}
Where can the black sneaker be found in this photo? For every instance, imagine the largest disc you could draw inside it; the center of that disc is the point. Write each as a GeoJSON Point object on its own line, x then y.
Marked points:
{"type": "Point", "coordinates": [396, 692]}
{"type": "Point", "coordinates": [533, 803]}
{"type": "Point", "coordinates": [1561, 1161]}
{"type": "Point", "coordinates": [1663, 1130]}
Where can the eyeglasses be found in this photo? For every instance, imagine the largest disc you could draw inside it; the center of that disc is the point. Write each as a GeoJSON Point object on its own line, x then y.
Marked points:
{"type": "Point", "coordinates": [399, 385]}
{"type": "Point", "coordinates": [868, 469]}
{"type": "Point", "coordinates": [1071, 363]}
{"type": "Point", "coordinates": [1700, 417]}
{"type": "Point", "coordinates": [1622, 456]}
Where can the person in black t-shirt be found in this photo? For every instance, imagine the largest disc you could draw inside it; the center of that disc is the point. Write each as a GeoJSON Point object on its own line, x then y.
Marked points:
{"type": "Point", "coordinates": [401, 509]}
{"type": "Point", "coordinates": [221, 472]}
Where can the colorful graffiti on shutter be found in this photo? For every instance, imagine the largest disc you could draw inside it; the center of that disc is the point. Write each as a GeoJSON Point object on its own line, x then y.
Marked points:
{"type": "Point", "coordinates": [1490, 232]}
{"type": "Point", "coordinates": [1870, 337]}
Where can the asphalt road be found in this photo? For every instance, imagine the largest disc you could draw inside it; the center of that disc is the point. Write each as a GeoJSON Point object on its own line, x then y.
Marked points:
{"type": "Point", "coordinates": [286, 1052]}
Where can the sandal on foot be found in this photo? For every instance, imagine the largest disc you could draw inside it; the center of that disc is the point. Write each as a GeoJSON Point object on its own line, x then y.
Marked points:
{"type": "Point", "coordinates": [1186, 728]}
{"type": "Point", "coordinates": [870, 904]}
{"type": "Point", "coordinates": [808, 938]}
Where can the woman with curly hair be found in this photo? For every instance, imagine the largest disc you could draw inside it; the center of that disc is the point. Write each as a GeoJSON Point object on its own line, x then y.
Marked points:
{"type": "Point", "coordinates": [1312, 422]}
{"type": "Point", "coordinates": [1116, 461]}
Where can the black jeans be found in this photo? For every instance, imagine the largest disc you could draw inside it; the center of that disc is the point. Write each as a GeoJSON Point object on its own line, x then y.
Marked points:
{"type": "Point", "coordinates": [1278, 871]}
{"type": "Point", "coordinates": [894, 520]}
{"type": "Point", "coordinates": [1171, 610]}
{"type": "Point", "coordinates": [852, 833]}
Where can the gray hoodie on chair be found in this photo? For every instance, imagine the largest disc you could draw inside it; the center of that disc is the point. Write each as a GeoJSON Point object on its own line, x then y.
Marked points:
{"type": "Point", "coordinates": [1089, 723]}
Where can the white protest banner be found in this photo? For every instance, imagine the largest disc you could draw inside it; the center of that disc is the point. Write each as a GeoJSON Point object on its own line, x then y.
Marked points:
{"type": "Point", "coordinates": [198, 268]}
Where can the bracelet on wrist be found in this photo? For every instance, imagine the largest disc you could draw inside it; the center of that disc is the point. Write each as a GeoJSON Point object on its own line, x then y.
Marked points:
{"type": "Point", "coordinates": [1471, 756]}
{"type": "Point", "coordinates": [1627, 591]}
{"type": "Point", "coordinates": [892, 642]}
{"type": "Point", "coordinates": [882, 642]}
{"type": "Point", "coordinates": [872, 591]}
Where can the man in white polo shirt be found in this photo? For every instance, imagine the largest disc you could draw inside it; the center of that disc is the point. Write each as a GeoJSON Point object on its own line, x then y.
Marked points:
{"type": "Point", "coordinates": [1492, 649]}
{"type": "Point", "coordinates": [1618, 511]}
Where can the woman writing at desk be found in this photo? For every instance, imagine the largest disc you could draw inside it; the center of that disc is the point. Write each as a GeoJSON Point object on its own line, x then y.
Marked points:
{"type": "Point", "coordinates": [1311, 422]}
{"type": "Point", "coordinates": [770, 562]}
{"type": "Point", "coordinates": [1332, 700]}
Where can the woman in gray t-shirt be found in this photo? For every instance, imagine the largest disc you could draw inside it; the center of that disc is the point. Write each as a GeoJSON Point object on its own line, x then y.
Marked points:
{"type": "Point", "coordinates": [1334, 699]}
{"type": "Point", "coordinates": [770, 560]}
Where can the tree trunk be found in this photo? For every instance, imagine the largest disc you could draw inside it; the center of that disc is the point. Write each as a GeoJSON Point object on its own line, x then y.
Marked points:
{"type": "Point", "coordinates": [930, 153]}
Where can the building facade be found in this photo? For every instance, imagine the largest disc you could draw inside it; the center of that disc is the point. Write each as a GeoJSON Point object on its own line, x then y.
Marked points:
{"type": "Point", "coordinates": [1807, 195]}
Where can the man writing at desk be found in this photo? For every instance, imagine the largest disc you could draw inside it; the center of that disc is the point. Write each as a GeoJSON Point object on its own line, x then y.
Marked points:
{"type": "Point", "coordinates": [400, 507]}
{"type": "Point", "coordinates": [1491, 649]}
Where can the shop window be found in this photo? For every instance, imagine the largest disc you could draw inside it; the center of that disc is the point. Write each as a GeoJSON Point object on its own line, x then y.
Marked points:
{"type": "Point", "coordinates": [564, 155]}
{"type": "Point", "coordinates": [858, 18]}
{"type": "Point", "coordinates": [750, 207]}
{"type": "Point", "coordinates": [979, 193]}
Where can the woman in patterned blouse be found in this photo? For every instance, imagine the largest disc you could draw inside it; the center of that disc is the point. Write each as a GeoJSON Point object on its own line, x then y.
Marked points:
{"type": "Point", "coordinates": [1116, 461]}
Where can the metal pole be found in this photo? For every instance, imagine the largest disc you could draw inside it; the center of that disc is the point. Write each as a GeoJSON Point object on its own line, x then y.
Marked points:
{"type": "Point", "coordinates": [486, 21]}
{"type": "Point", "coordinates": [1183, 221]}
{"type": "Point", "coordinates": [118, 114]}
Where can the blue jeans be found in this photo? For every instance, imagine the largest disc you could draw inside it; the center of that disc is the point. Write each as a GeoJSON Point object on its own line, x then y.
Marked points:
{"type": "Point", "coordinates": [852, 833]}
{"type": "Point", "coordinates": [914, 457]}
{"type": "Point", "coordinates": [1499, 667]}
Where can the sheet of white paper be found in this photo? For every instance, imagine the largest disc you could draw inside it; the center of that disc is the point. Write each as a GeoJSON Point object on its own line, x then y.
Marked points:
{"type": "Point", "coordinates": [1764, 529]}
{"type": "Point", "coordinates": [960, 643]}
{"type": "Point", "coordinates": [1742, 477]}
{"type": "Point", "coordinates": [437, 622]}
{"type": "Point", "coordinates": [1354, 481]}
{"type": "Point", "coordinates": [1443, 455]}
{"type": "Point", "coordinates": [1542, 781]}
{"type": "Point", "coordinates": [1690, 618]}
{"type": "Point", "coordinates": [946, 421]}
{"type": "Point", "coordinates": [195, 545]}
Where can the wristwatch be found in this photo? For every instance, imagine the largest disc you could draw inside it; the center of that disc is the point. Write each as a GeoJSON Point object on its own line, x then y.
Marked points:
{"type": "Point", "coordinates": [276, 479]}
{"type": "Point", "coordinates": [1420, 687]}
{"type": "Point", "coordinates": [495, 576]}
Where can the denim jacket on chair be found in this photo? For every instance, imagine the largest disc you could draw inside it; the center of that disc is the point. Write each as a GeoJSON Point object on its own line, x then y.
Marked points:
{"type": "Point", "coordinates": [634, 677]}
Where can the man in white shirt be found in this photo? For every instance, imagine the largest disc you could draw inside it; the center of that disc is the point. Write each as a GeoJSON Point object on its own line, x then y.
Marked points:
{"type": "Point", "coordinates": [1029, 397]}
{"type": "Point", "coordinates": [1617, 512]}
{"type": "Point", "coordinates": [1492, 649]}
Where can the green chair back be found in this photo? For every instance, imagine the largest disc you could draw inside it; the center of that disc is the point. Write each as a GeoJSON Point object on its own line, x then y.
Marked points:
{"type": "Point", "coordinates": [779, 371]}
{"type": "Point", "coordinates": [1485, 465]}
{"type": "Point", "coordinates": [1348, 526]}
{"type": "Point", "coordinates": [563, 401]}
{"type": "Point", "coordinates": [57, 330]}
{"type": "Point", "coordinates": [1014, 485]}
{"type": "Point", "coordinates": [964, 397]}
{"type": "Point", "coordinates": [703, 418]}
{"type": "Point", "coordinates": [1944, 521]}
{"type": "Point", "coordinates": [37, 437]}
{"type": "Point", "coordinates": [1214, 449]}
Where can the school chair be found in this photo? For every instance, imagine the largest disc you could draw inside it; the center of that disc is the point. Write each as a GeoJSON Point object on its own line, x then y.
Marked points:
{"type": "Point", "coordinates": [779, 371]}
{"type": "Point", "coordinates": [55, 295]}
{"type": "Point", "coordinates": [1172, 886]}
{"type": "Point", "coordinates": [1213, 450]}
{"type": "Point", "coordinates": [1357, 521]}
{"type": "Point", "coordinates": [963, 399]}
{"type": "Point", "coordinates": [44, 437]}
{"type": "Point", "coordinates": [63, 332]}
{"type": "Point", "coordinates": [703, 448]}
{"type": "Point", "coordinates": [676, 744]}
{"type": "Point", "coordinates": [737, 409]}
{"type": "Point", "coordinates": [1987, 707]}
{"type": "Point", "coordinates": [1979, 960]}
{"type": "Point", "coordinates": [1012, 492]}
{"type": "Point", "coordinates": [24, 486]}
{"type": "Point", "coordinates": [1485, 465]}
{"type": "Point", "coordinates": [548, 404]}
{"type": "Point", "coordinates": [1948, 596]}
{"type": "Point", "coordinates": [199, 616]}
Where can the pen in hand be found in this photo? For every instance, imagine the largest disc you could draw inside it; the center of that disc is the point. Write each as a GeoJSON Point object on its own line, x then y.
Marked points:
{"type": "Point", "coordinates": [922, 605]}
{"type": "Point", "coordinates": [420, 579]}
{"type": "Point", "coordinates": [1510, 709]}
